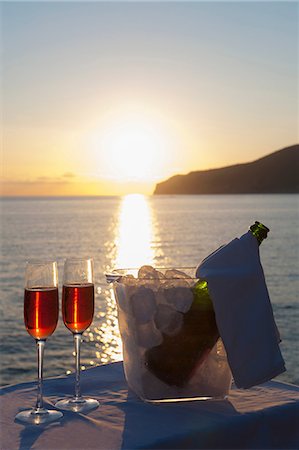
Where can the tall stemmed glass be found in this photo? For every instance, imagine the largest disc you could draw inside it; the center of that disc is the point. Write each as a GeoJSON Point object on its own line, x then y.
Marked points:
{"type": "Point", "coordinates": [77, 311]}
{"type": "Point", "coordinates": [40, 316]}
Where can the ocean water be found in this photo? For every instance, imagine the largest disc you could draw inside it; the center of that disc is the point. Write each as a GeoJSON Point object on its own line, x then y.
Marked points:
{"type": "Point", "coordinates": [165, 231]}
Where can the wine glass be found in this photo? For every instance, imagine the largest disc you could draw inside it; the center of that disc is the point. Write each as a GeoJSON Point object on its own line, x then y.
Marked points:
{"type": "Point", "coordinates": [77, 311]}
{"type": "Point", "coordinates": [40, 316]}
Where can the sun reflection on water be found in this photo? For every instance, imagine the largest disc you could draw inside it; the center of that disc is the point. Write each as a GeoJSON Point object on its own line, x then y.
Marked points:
{"type": "Point", "coordinates": [135, 232]}
{"type": "Point", "coordinates": [132, 247]}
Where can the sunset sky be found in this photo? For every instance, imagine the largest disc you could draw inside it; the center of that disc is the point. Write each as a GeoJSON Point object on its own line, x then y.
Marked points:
{"type": "Point", "coordinates": [105, 98]}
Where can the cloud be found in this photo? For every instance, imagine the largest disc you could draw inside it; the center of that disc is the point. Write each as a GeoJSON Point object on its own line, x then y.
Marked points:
{"type": "Point", "coordinates": [36, 181]}
{"type": "Point", "coordinates": [44, 179]}
{"type": "Point", "coordinates": [42, 185]}
{"type": "Point", "coordinates": [69, 175]}
{"type": "Point", "coordinates": [61, 179]}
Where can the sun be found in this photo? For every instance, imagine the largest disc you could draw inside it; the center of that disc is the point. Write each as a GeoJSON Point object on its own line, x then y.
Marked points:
{"type": "Point", "coordinates": [133, 150]}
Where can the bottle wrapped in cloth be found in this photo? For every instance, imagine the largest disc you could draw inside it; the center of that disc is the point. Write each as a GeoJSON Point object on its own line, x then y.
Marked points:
{"type": "Point", "coordinates": [243, 310]}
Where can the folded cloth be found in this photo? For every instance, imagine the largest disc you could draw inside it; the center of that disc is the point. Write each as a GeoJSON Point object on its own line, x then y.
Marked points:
{"type": "Point", "coordinates": [243, 311]}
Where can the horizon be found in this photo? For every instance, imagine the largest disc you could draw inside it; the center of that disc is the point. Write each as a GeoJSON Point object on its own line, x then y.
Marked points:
{"type": "Point", "coordinates": [109, 99]}
{"type": "Point", "coordinates": [92, 196]}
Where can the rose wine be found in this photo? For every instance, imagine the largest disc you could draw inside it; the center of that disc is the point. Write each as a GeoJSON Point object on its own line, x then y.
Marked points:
{"type": "Point", "coordinates": [78, 306]}
{"type": "Point", "coordinates": [41, 311]}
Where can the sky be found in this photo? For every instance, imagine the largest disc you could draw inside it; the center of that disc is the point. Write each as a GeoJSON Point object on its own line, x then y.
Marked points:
{"type": "Point", "coordinates": [109, 98]}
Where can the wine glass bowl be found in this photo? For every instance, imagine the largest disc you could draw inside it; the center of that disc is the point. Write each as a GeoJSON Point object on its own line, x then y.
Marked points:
{"type": "Point", "coordinates": [78, 306]}
{"type": "Point", "coordinates": [41, 310]}
{"type": "Point", "coordinates": [77, 312]}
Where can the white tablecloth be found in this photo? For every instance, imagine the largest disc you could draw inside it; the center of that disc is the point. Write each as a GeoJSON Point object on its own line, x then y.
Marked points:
{"type": "Point", "coordinates": [262, 417]}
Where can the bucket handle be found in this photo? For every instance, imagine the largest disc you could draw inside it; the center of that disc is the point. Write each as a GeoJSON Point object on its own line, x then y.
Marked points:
{"type": "Point", "coordinates": [111, 277]}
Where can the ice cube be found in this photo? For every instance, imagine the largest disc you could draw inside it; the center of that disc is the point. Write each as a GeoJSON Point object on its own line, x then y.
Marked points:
{"type": "Point", "coordinates": [174, 282]}
{"type": "Point", "coordinates": [143, 305]}
{"type": "Point", "coordinates": [130, 285]}
{"type": "Point", "coordinates": [161, 275]}
{"type": "Point", "coordinates": [149, 272]}
{"type": "Point", "coordinates": [129, 280]}
{"type": "Point", "coordinates": [148, 335]}
{"type": "Point", "coordinates": [180, 298]}
{"type": "Point", "coordinates": [174, 273]}
{"type": "Point", "coordinates": [174, 277]}
{"type": "Point", "coordinates": [160, 297]}
{"type": "Point", "coordinates": [149, 277]}
{"type": "Point", "coordinates": [167, 320]}
{"type": "Point", "coordinates": [152, 284]}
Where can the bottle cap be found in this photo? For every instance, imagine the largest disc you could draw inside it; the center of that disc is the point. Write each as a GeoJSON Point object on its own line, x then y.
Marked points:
{"type": "Point", "coordinates": [260, 229]}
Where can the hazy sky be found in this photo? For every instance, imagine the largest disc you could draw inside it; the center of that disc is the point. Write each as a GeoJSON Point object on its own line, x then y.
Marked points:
{"type": "Point", "coordinates": [111, 97]}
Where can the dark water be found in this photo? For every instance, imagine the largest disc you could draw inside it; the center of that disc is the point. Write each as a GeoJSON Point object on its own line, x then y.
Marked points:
{"type": "Point", "coordinates": [128, 232]}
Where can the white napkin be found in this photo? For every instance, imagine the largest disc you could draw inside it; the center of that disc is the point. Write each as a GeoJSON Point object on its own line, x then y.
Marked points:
{"type": "Point", "coordinates": [243, 311]}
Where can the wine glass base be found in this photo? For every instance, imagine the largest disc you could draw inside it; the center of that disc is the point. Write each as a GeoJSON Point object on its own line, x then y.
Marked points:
{"type": "Point", "coordinates": [38, 417]}
{"type": "Point", "coordinates": [78, 405]}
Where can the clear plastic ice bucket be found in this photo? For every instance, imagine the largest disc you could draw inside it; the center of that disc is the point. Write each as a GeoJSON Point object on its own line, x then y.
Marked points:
{"type": "Point", "coordinates": [171, 347]}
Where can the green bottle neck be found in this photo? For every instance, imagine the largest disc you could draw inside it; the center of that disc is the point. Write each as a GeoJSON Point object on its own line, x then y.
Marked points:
{"type": "Point", "coordinates": [259, 231]}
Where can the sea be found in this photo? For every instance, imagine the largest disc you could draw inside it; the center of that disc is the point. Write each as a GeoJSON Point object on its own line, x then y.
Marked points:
{"type": "Point", "coordinates": [130, 231]}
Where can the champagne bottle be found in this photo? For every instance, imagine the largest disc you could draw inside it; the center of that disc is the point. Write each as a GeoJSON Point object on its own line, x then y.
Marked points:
{"type": "Point", "coordinates": [175, 360]}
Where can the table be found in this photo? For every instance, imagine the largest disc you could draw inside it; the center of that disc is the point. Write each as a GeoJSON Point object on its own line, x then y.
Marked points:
{"type": "Point", "coordinates": [262, 417]}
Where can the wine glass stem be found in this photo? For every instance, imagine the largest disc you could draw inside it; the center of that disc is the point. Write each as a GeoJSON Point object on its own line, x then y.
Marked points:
{"type": "Point", "coordinates": [77, 342]}
{"type": "Point", "coordinates": [40, 345]}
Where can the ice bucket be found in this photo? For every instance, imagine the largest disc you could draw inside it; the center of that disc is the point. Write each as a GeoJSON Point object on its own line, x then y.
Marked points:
{"type": "Point", "coordinates": [171, 347]}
